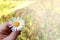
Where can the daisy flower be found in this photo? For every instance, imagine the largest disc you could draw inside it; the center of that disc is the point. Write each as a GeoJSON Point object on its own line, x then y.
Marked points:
{"type": "Point", "coordinates": [17, 23]}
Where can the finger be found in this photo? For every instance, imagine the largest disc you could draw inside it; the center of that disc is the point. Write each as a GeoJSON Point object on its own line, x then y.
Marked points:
{"type": "Point", "coordinates": [2, 36]}
{"type": "Point", "coordinates": [4, 26]}
{"type": "Point", "coordinates": [13, 35]}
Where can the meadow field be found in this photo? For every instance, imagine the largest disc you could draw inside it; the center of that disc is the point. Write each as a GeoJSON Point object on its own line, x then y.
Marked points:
{"type": "Point", "coordinates": [42, 20]}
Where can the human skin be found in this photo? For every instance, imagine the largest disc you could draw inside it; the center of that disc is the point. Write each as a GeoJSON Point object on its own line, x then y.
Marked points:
{"type": "Point", "coordinates": [6, 33]}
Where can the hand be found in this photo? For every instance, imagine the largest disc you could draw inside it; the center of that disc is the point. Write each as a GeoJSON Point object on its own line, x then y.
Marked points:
{"type": "Point", "coordinates": [6, 33]}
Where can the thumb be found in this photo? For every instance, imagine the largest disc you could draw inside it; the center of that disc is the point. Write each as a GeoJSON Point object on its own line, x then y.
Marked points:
{"type": "Point", "coordinates": [12, 36]}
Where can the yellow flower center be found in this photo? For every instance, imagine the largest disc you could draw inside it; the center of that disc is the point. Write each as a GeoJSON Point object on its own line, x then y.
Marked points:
{"type": "Point", "coordinates": [16, 24]}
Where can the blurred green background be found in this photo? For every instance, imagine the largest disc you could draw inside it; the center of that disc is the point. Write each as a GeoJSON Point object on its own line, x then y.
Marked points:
{"type": "Point", "coordinates": [42, 20]}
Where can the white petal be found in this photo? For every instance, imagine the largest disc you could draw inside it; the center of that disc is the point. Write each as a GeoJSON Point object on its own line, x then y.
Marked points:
{"type": "Point", "coordinates": [21, 22]}
{"type": "Point", "coordinates": [18, 18]}
{"type": "Point", "coordinates": [10, 22]}
{"type": "Point", "coordinates": [15, 28]}
{"type": "Point", "coordinates": [20, 27]}
{"type": "Point", "coordinates": [12, 28]}
{"type": "Point", "coordinates": [14, 19]}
